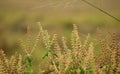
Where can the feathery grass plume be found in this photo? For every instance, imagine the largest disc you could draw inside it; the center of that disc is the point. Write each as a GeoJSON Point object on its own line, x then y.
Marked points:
{"type": "Point", "coordinates": [45, 36]}
{"type": "Point", "coordinates": [115, 47]}
{"type": "Point", "coordinates": [118, 53]}
{"type": "Point", "coordinates": [26, 48]}
{"type": "Point", "coordinates": [3, 63]}
{"type": "Point", "coordinates": [47, 40]}
{"type": "Point", "coordinates": [66, 50]}
{"type": "Point", "coordinates": [86, 42]}
{"type": "Point", "coordinates": [23, 46]}
{"type": "Point", "coordinates": [56, 55]}
{"type": "Point", "coordinates": [84, 48]}
{"type": "Point", "coordinates": [89, 61]}
{"type": "Point", "coordinates": [75, 40]}
{"type": "Point", "coordinates": [64, 43]}
{"type": "Point", "coordinates": [56, 46]}
{"type": "Point", "coordinates": [67, 55]}
{"type": "Point", "coordinates": [20, 65]}
{"type": "Point", "coordinates": [104, 58]}
{"type": "Point", "coordinates": [13, 64]}
{"type": "Point", "coordinates": [52, 56]}
{"type": "Point", "coordinates": [29, 50]}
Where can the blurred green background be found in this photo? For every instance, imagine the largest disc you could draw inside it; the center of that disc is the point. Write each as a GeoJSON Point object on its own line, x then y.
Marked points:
{"type": "Point", "coordinates": [57, 16]}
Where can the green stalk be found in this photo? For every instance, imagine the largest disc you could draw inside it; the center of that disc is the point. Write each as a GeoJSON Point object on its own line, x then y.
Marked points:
{"type": "Point", "coordinates": [115, 18]}
{"type": "Point", "coordinates": [28, 65]}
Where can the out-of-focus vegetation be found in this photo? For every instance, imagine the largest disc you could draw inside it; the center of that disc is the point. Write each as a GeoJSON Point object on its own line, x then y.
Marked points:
{"type": "Point", "coordinates": [57, 16]}
{"type": "Point", "coordinates": [63, 56]}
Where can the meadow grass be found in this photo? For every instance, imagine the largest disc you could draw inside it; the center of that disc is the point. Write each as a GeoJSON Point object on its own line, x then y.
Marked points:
{"type": "Point", "coordinates": [63, 56]}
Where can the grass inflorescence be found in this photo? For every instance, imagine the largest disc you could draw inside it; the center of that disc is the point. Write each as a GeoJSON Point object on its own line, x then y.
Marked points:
{"type": "Point", "coordinates": [62, 56]}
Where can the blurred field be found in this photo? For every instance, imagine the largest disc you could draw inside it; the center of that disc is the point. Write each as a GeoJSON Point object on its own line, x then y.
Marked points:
{"type": "Point", "coordinates": [57, 16]}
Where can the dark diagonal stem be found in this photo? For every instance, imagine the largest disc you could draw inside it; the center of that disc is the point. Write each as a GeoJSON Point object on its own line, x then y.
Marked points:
{"type": "Point", "coordinates": [115, 18]}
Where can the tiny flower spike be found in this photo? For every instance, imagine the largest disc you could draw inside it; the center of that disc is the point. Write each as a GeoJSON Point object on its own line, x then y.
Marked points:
{"type": "Point", "coordinates": [3, 63]}
{"type": "Point", "coordinates": [64, 42]}
{"type": "Point", "coordinates": [75, 39]}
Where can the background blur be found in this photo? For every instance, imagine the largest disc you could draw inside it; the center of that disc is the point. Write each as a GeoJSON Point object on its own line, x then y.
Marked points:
{"type": "Point", "coordinates": [57, 16]}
